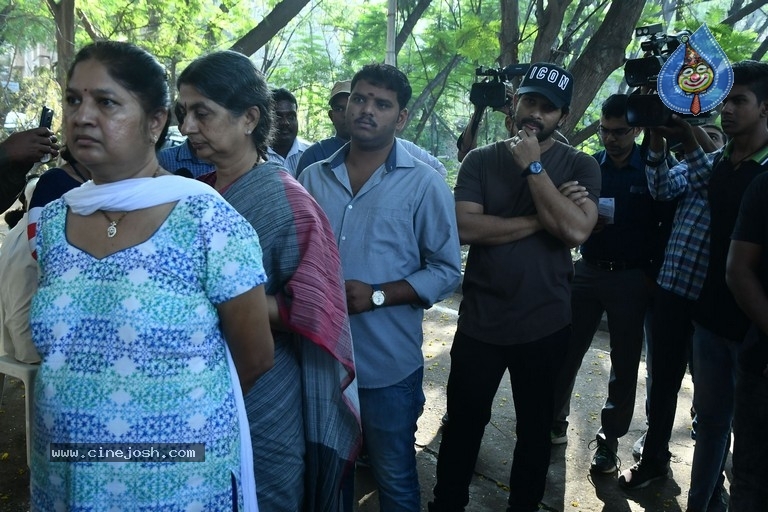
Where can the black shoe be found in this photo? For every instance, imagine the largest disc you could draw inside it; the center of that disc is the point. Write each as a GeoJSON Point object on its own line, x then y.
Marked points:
{"type": "Point", "coordinates": [605, 459]}
{"type": "Point", "coordinates": [642, 474]}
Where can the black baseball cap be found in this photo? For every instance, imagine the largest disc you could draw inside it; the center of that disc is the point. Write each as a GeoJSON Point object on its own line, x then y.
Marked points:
{"type": "Point", "coordinates": [549, 80]}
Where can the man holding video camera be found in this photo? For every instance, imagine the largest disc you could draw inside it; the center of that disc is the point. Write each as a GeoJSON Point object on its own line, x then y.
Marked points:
{"type": "Point", "coordinates": [467, 141]}
{"type": "Point", "coordinates": [692, 293]}
{"type": "Point", "coordinates": [518, 208]}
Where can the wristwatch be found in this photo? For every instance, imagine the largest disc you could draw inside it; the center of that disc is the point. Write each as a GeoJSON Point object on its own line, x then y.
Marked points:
{"type": "Point", "coordinates": [377, 297]}
{"type": "Point", "coordinates": [533, 168]}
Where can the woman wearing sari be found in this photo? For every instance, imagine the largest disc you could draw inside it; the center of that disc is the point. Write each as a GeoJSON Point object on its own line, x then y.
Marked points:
{"type": "Point", "coordinates": [310, 394]}
{"type": "Point", "coordinates": [150, 316]}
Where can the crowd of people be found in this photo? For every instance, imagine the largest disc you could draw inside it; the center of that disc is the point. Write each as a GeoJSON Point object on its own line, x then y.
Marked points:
{"type": "Point", "coordinates": [268, 311]}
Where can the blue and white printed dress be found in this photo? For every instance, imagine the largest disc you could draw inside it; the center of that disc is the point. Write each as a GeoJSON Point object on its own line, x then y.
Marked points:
{"type": "Point", "coordinates": [132, 353]}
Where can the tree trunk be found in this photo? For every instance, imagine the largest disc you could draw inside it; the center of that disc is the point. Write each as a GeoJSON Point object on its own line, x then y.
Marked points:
{"type": "Point", "coordinates": [509, 38]}
{"type": "Point", "coordinates": [278, 18]}
{"type": "Point", "coordinates": [550, 21]}
{"type": "Point", "coordinates": [571, 46]}
{"type": "Point", "coordinates": [64, 17]}
{"type": "Point", "coordinates": [763, 48]}
{"type": "Point", "coordinates": [603, 54]}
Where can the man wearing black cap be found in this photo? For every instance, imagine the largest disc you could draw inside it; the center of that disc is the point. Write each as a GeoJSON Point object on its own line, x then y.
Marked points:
{"type": "Point", "coordinates": [521, 204]}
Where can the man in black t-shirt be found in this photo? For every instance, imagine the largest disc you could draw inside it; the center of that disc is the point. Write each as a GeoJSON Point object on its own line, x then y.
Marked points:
{"type": "Point", "coordinates": [747, 275]}
{"type": "Point", "coordinates": [519, 211]}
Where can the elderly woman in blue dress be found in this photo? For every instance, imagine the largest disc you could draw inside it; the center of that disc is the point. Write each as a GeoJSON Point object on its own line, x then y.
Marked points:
{"type": "Point", "coordinates": [151, 316]}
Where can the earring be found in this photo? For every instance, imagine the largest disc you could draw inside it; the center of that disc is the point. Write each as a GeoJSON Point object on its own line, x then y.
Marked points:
{"type": "Point", "coordinates": [247, 132]}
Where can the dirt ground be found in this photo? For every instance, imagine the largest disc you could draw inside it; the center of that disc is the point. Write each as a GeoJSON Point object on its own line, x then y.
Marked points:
{"type": "Point", "coordinates": [570, 487]}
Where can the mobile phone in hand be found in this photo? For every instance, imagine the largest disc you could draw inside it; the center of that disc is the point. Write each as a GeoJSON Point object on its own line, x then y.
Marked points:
{"type": "Point", "coordinates": [46, 118]}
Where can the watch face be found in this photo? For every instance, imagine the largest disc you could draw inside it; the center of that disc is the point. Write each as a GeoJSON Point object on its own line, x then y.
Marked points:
{"type": "Point", "coordinates": [378, 298]}
{"type": "Point", "coordinates": [535, 167]}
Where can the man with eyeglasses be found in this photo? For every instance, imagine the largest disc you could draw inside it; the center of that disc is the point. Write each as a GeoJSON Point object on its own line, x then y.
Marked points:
{"type": "Point", "coordinates": [618, 263]}
{"type": "Point", "coordinates": [325, 148]}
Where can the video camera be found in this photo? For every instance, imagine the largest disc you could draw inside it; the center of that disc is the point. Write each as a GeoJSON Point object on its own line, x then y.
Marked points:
{"type": "Point", "coordinates": [492, 92]}
{"type": "Point", "coordinates": [647, 109]}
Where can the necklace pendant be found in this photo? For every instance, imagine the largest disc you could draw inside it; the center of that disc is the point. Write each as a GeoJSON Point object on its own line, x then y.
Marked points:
{"type": "Point", "coordinates": [112, 229]}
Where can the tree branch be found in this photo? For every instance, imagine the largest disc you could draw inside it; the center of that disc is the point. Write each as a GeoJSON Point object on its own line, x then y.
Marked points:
{"type": "Point", "coordinates": [88, 26]}
{"type": "Point", "coordinates": [278, 18]}
{"type": "Point", "coordinates": [410, 23]}
{"type": "Point", "coordinates": [743, 12]}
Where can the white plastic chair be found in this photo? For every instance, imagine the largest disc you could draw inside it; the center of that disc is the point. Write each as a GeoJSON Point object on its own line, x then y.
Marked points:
{"type": "Point", "coordinates": [26, 373]}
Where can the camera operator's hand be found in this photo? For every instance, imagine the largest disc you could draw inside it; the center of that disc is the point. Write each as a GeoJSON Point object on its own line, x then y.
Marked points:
{"type": "Point", "coordinates": [524, 148]}
{"type": "Point", "coordinates": [678, 129]}
{"type": "Point", "coordinates": [468, 138]}
{"type": "Point", "coordinates": [25, 148]}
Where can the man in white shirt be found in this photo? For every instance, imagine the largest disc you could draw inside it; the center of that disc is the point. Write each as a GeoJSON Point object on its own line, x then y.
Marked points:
{"type": "Point", "coordinates": [287, 147]}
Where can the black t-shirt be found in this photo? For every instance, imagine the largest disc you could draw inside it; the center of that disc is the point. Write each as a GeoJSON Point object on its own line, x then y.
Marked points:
{"type": "Point", "coordinates": [716, 308]}
{"type": "Point", "coordinates": [752, 227]}
{"type": "Point", "coordinates": [519, 291]}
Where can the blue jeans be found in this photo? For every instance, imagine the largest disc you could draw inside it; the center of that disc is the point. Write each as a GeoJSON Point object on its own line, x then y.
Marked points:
{"type": "Point", "coordinates": [714, 383]}
{"type": "Point", "coordinates": [671, 334]}
{"type": "Point", "coordinates": [389, 418]}
{"type": "Point", "coordinates": [749, 491]}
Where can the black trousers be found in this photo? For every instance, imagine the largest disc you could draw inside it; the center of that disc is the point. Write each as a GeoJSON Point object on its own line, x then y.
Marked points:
{"type": "Point", "coordinates": [476, 371]}
{"type": "Point", "coordinates": [624, 295]}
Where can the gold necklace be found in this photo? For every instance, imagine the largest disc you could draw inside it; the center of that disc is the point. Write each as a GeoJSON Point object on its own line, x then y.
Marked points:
{"type": "Point", "coordinates": [112, 228]}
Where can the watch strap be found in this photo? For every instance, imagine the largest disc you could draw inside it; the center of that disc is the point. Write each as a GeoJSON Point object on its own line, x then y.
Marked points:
{"type": "Point", "coordinates": [528, 170]}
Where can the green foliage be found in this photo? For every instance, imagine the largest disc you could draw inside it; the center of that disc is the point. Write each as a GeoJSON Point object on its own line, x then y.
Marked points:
{"type": "Point", "coordinates": [331, 39]}
{"type": "Point", "coordinates": [370, 35]}
{"type": "Point", "coordinates": [24, 23]}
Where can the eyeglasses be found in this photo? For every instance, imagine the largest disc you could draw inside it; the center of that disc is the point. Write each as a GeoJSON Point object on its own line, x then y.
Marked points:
{"type": "Point", "coordinates": [616, 132]}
